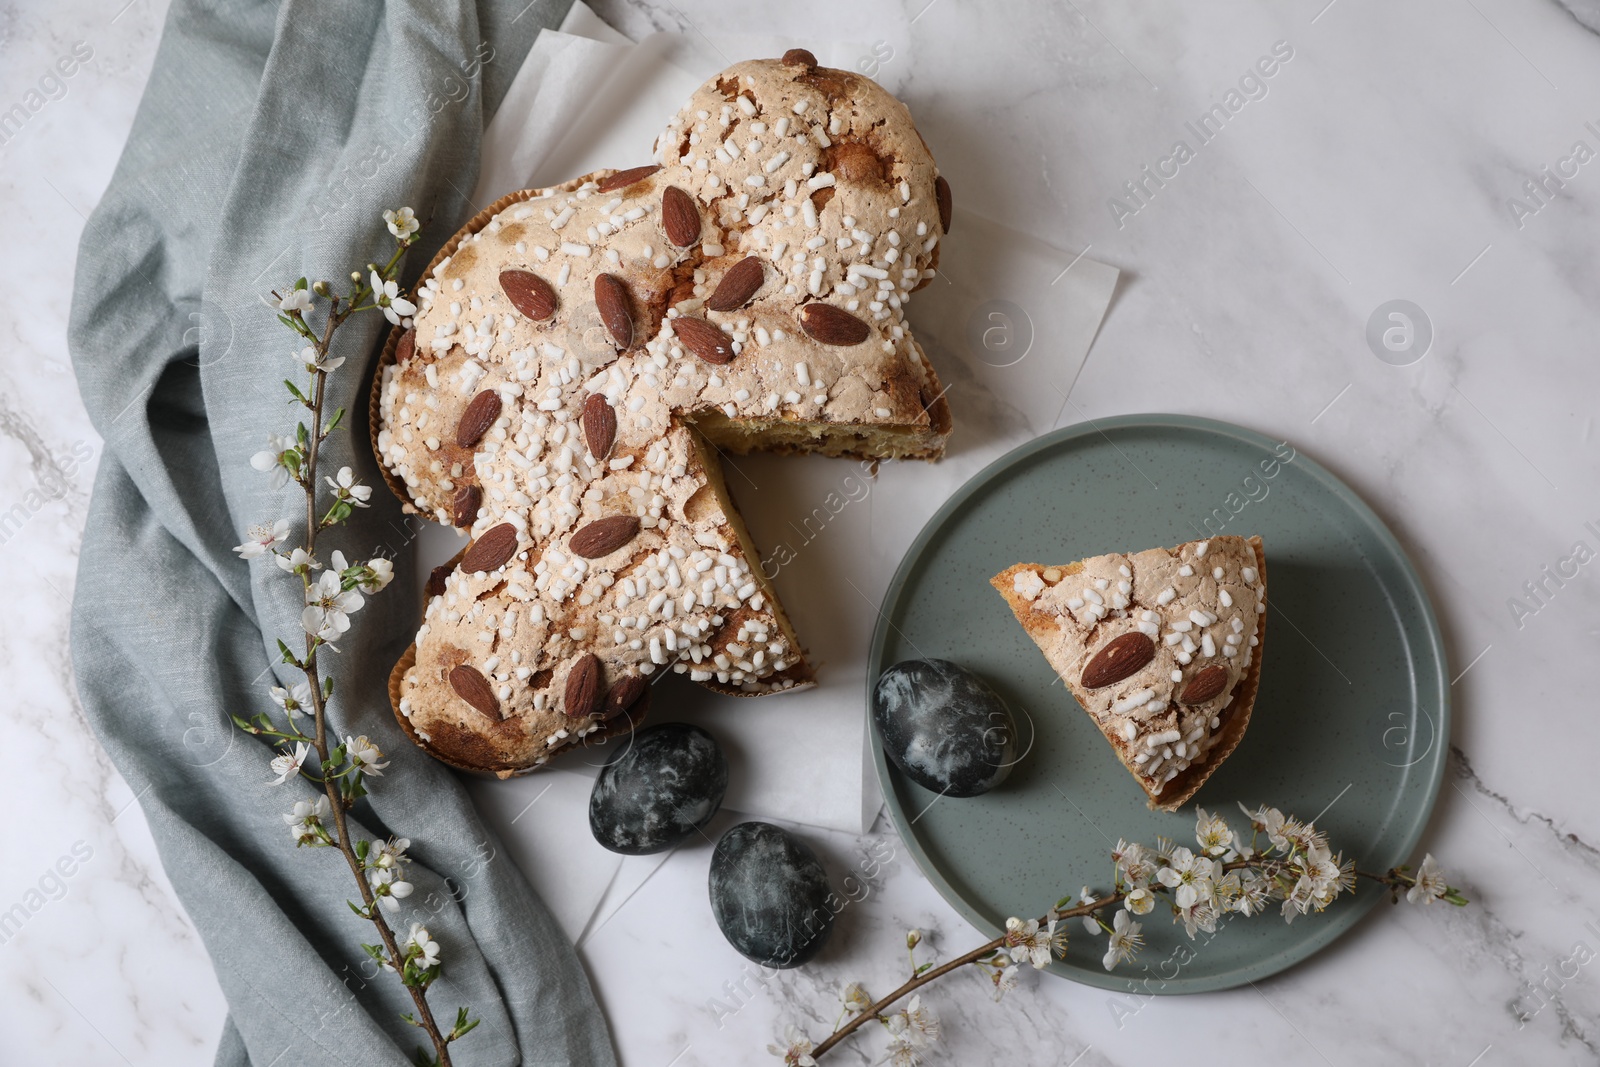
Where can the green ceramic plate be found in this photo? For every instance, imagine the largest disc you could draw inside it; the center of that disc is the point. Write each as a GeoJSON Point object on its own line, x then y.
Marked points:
{"type": "Point", "coordinates": [1350, 727]}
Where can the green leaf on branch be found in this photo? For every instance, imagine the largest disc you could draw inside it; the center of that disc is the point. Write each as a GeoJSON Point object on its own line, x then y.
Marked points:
{"type": "Point", "coordinates": [463, 1027]}
{"type": "Point", "coordinates": [340, 511]}
{"type": "Point", "coordinates": [333, 423]}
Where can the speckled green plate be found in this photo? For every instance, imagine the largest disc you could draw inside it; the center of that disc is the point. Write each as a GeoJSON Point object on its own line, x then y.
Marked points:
{"type": "Point", "coordinates": [1350, 727]}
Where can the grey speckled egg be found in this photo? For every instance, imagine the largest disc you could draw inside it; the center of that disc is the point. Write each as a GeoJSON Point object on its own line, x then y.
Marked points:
{"type": "Point", "coordinates": [658, 789]}
{"type": "Point", "coordinates": [770, 895]}
{"type": "Point", "coordinates": [944, 727]}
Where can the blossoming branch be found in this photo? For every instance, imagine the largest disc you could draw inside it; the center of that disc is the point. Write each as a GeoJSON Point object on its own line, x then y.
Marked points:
{"type": "Point", "coordinates": [1283, 860]}
{"type": "Point", "coordinates": [333, 592]}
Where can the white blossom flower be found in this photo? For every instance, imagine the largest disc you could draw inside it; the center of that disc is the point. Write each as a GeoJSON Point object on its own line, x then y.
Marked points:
{"type": "Point", "coordinates": [913, 1029]}
{"type": "Point", "coordinates": [329, 607]}
{"type": "Point", "coordinates": [1303, 835]}
{"type": "Point", "coordinates": [1212, 833]}
{"type": "Point", "coordinates": [1005, 980]}
{"type": "Point", "coordinates": [387, 296]}
{"type": "Point", "coordinates": [1431, 883]}
{"type": "Point", "coordinates": [1140, 901]}
{"type": "Point", "coordinates": [388, 855]}
{"type": "Point", "coordinates": [796, 1050]}
{"type": "Point", "coordinates": [305, 820]}
{"type": "Point", "coordinates": [262, 538]}
{"type": "Point", "coordinates": [294, 561]}
{"type": "Point", "coordinates": [1268, 821]}
{"type": "Point", "coordinates": [1135, 863]}
{"type": "Point", "coordinates": [365, 755]}
{"type": "Point", "coordinates": [1090, 923]}
{"type": "Point", "coordinates": [296, 701]}
{"type": "Point", "coordinates": [1163, 850]}
{"type": "Point", "coordinates": [1227, 890]}
{"type": "Point", "coordinates": [270, 459]}
{"type": "Point", "coordinates": [390, 893]}
{"type": "Point", "coordinates": [380, 572]}
{"type": "Point", "coordinates": [1026, 943]}
{"type": "Point", "coordinates": [1325, 875]}
{"type": "Point", "coordinates": [1190, 877]}
{"type": "Point", "coordinates": [295, 300]}
{"type": "Point", "coordinates": [1124, 941]}
{"type": "Point", "coordinates": [402, 223]}
{"type": "Point", "coordinates": [423, 942]}
{"type": "Point", "coordinates": [1202, 916]}
{"type": "Point", "coordinates": [308, 356]}
{"type": "Point", "coordinates": [1347, 875]}
{"type": "Point", "coordinates": [345, 485]}
{"type": "Point", "coordinates": [1298, 902]}
{"type": "Point", "coordinates": [902, 1055]}
{"type": "Point", "coordinates": [286, 764]}
{"type": "Point", "coordinates": [856, 998]}
{"type": "Point", "coordinates": [1255, 889]}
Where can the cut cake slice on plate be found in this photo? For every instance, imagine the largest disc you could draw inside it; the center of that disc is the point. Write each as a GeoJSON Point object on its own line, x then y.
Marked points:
{"type": "Point", "coordinates": [1162, 648]}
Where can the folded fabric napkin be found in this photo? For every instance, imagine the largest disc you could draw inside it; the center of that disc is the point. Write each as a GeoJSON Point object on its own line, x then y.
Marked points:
{"type": "Point", "coordinates": [268, 141]}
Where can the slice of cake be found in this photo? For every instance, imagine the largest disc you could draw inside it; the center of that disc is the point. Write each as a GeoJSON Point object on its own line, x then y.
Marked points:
{"type": "Point", "coordinates": [1162, 648]}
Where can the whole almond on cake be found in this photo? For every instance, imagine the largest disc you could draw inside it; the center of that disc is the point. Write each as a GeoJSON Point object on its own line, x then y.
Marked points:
{"type": "Point", "coordinates": [1162, 648]}
{"type": "Point", "coordinates": [581, 355]}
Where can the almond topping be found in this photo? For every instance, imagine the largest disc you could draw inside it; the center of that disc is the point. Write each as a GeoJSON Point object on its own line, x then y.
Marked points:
{"type": "Point", "coordinates": [604, 536]}
{"type": "Point", "coordinates": [832, 325]}
{"type": "Point", "coordinates": [611, 297]}
{"type": "Point", "coordinates": [529, 293]}
{"type": "Point", "coordinates": [679, 217]}
{"type": "Point", "coordinates": [624, 178]}
{"type": "Point", "coordinates": [491, 550]}
{"type": "Point", "coordinates": [737, 286]}
{"type": "Point", "coordinates": [470, 685]}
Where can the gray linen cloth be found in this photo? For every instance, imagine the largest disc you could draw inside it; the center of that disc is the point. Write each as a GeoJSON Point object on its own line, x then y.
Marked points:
{"type": "Point", "coordinates": [268, 141]}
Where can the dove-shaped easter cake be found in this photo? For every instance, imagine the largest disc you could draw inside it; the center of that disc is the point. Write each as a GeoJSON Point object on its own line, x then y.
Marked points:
{"type": "Point", "coordinates": [581, 355]}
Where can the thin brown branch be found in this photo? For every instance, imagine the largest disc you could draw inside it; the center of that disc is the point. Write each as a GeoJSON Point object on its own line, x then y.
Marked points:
{"type": "Point", "coordinates": [330, 785]}
{"type": "Point", "coordinates": [1271, 867]}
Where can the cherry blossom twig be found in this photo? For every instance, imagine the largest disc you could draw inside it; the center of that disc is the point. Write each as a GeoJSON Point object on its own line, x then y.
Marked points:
{"type": "Point", "coordinates": [342, 769]}
{"type": "Point", "coordinates": [1292, 865]}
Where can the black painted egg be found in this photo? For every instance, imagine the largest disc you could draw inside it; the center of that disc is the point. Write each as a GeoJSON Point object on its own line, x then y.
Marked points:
{"type": "Point", "coordinates": [657, 789]}
{"type": "Point", "coordinates": [943, 727]}
{"type": "Point", "coordinates": [770, 895]}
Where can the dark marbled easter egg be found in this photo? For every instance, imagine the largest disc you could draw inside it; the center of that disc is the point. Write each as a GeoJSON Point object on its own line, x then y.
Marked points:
{"type": "Point", "coordinates": [770, 895]}
{"type": "Point", "coordinates": [944, 727]}
{"type": "Point", "coordinates": [657, 789]}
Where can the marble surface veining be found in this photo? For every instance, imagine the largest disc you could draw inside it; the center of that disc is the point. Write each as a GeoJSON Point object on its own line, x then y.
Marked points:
{"type": "Point", "coordinates": [1425, 152]}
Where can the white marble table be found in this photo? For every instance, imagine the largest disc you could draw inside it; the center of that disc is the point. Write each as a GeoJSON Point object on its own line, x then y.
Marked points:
{"type": "Point", "coordinates": [1384, 159]}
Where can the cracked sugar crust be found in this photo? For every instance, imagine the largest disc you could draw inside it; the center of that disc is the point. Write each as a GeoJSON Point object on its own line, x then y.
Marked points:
{"type": "Point", "coordinates": [1200, 604]}
{"type": "Point", "coordinates": [818, 174]}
